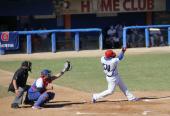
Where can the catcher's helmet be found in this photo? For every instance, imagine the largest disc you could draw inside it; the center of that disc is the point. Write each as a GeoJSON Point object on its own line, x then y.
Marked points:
{"type": "Point", "coordinates": [110, 54]}
{"type": "Point", "coordinates": [46, 72]}
{"type": "Point", "coordinates": [26, 64]}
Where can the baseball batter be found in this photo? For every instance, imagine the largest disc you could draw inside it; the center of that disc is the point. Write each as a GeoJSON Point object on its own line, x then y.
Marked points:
{"type": "Point", "coordinates": [110, 65]}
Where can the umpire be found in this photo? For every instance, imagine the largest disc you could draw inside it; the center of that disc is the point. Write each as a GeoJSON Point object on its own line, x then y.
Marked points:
{"type": "Point", "coordinates": [18, 83]}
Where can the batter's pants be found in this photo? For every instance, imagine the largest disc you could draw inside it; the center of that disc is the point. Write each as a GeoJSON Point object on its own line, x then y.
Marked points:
{"type": "Point", "coordinates": [112, 82]}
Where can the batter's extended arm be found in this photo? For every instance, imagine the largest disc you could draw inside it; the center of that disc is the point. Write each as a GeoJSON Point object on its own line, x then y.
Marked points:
{"type": "Point", "coordinates": [121, 55]}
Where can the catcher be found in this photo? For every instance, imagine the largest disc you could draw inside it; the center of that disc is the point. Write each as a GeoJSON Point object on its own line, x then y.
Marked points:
{"type": "Point", "coordinates": [39, 91]}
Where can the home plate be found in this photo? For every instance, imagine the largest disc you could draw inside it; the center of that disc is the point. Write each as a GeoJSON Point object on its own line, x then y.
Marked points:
{"type": "Point", "coordinates": [146, 112]}
{"type": "Point", "coordinates": [146, 100]}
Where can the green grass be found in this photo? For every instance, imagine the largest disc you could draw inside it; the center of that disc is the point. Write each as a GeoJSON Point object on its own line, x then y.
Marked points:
{"type": "Point", "coordinates": [139, 72]}
{"type": "Point", "coordinates": [148, 72]}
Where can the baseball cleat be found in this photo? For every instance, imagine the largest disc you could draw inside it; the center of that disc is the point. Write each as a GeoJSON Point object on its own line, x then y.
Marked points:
{"type": "Point", "coordinates": [135, 99]}
{"type": "Point", "coordinates": [15, 106]}
{"type": "Point", "coordinates": [93, 100]}
{"type": "Point", "coordinates": [36, 107]}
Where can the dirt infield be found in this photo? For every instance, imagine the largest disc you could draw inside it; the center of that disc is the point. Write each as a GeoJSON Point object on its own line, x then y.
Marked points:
{"type": "Point", "coordinates": [69, 102]}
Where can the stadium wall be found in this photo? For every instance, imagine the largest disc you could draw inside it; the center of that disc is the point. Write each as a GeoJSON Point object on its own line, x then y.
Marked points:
{"type": "Point", "coordinates": [25, 7]}
{"type": "Point", "coordinates": [81, 21]}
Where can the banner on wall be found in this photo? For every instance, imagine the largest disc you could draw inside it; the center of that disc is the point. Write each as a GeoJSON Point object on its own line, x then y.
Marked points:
{"type": "Point", "coordinates": [9, 40]}
{"type": "Point", "coordinates": [111, 6]}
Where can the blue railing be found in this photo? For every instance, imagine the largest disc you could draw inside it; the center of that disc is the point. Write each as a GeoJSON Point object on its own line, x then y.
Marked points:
{"type": "Point", "coordinates": [54, 37]}
{"type": "Point", "coordinates": [146, 33]}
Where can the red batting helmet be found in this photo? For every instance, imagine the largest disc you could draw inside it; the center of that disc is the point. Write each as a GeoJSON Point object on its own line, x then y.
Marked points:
{"type": "Point", "coordinates": [110, 54]}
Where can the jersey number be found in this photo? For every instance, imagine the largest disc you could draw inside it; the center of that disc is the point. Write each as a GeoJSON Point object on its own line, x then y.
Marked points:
{"type": "Point", "coordinates": [106, 67]}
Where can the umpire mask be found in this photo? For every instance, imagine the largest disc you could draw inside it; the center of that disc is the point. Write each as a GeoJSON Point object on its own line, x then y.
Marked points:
{"type": "Point", "coordinates": [27, 65]}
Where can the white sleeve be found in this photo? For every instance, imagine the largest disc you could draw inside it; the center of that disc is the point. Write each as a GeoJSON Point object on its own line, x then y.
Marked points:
{"type": "Point", "coordinates": [116, 60]}
{"type": "Point", "coordinates": [101, 59]}
{"type": "Point", "coordinates": [39, 83]}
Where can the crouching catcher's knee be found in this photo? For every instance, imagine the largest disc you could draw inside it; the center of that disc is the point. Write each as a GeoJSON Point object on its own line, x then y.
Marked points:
{"type": "Point", "coordinates": [50, 95]}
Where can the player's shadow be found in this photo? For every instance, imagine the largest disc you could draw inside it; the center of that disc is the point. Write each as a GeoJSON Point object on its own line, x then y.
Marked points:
{"type": "Point", "coordinates": [60, 104]}
{"type": "Point", "coordinates": [140, 99]}
{"type": "Point", "coordinates": [154, 97]}
{"type": "Point", "coordinates": [55, 104]}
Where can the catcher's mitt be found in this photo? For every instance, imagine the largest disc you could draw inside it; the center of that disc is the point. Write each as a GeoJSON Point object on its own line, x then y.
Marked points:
{"type": "Point", "coordinates": [67, 66]}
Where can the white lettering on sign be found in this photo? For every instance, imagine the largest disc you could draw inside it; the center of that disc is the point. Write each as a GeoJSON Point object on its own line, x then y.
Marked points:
{"type": "Point", "coordinates": [6, 45]}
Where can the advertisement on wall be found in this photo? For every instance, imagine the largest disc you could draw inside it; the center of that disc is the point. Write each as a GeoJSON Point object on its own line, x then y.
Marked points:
{"type": "Point", "coordinates": [111, 6]}
{"type": "Point", "coordinates": [9, 40]}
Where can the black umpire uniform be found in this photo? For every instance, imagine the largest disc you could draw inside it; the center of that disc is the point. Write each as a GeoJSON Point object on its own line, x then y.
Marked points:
{"type": "Point", "coordinates": [18, 83]}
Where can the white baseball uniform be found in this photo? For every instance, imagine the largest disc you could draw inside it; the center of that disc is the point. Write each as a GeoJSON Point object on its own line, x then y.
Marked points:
{"type": "Point", "coordinates": [112, 76]}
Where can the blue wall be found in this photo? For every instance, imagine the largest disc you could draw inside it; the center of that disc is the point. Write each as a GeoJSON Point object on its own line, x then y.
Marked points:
{"type": "Point", "coordinates": [25, 7]}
